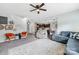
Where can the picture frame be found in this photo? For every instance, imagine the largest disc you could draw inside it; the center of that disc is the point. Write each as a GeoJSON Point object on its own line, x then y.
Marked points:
{"type": "Point", "coordinates": [9, 27]}
{"type": "Point", "coordinates": [2, 26]}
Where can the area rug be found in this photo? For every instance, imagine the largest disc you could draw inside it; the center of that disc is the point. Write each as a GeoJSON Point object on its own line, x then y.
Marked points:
{"type": "Point", "coordinates": [38, 47]}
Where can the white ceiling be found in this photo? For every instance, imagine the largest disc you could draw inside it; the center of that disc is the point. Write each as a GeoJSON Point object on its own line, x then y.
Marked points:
{"type": "Point", "coordinates": [22, 9]}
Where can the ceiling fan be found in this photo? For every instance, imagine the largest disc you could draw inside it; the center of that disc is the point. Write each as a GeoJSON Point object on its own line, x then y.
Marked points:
{"type": "Point", "coordinates": [38, 8]}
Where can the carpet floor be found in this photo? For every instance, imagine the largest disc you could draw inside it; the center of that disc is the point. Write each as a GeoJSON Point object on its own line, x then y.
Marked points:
{"type": "Point", "coordinates": [32, 46]}
{"type": "Point", "coordinates": [5, 46]}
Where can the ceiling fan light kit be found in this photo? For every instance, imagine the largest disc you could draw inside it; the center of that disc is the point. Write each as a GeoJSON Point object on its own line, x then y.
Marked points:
{"type": "Point", "coordinates": [38, 8]}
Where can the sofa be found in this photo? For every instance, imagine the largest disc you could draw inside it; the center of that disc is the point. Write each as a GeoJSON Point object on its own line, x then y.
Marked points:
{"type": "Point", "coordinates": [70, 39]}
{"type": "Point", "coordinates": [72, 47]}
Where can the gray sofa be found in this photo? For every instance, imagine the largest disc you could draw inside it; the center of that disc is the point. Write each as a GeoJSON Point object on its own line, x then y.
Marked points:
{"type": "Point", "coordinates": [72, 44]}
{"type": "Point", "coordinates": [72, 47]}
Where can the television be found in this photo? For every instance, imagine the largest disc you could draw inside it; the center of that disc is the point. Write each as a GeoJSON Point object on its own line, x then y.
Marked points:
{"type": "Point", "coordinates": [3, 20]}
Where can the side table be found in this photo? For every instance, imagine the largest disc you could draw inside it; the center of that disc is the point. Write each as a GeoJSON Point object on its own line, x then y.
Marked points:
{"type": "Point", "coordinates": [18, 36]}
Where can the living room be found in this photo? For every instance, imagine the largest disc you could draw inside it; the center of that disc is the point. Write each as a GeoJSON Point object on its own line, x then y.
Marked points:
{"type": "Point", "coordinates": [39, 28]}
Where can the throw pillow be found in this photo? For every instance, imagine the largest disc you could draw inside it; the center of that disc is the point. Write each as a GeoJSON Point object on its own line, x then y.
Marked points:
{"type": "Point", "coordinates": [74, 35]}
{"type": "Point", "coordinates": [77, 36]}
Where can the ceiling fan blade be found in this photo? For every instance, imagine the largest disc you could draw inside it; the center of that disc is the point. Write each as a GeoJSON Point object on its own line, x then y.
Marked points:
{"type": "Point", "coordinates": [32, 5]}
{"type": "Point", "coordinates": [33, 10]}
{"type": "Point", "coordinates": [42, 5]}
{"type": "Point", "coordinates": [38, 12]}
{"type": "Point", "coordinates": [43, 9]}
